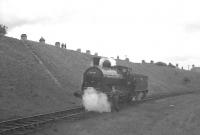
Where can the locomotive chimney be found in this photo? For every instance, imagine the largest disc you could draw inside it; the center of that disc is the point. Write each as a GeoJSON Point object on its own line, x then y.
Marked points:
{"type": "Point", "coordinates": [96, 61]}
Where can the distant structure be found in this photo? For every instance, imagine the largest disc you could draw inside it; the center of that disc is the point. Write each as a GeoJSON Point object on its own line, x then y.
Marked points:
{"type": "Point", "coordinates": [23, 37]}
{"type": "Point", "coordinates": [118, 57]}
{"type": "Point", "coordinates": [195, 69]}
{"type": "Point", "coordinates": [152, 62]}
{"type": "Point", "coordinates": [193, 66]}
{"type": "Point", "coordinates": [42, 40]}
{"type": "Point", "coordinates": [127, 59]}
{"type": "Point", "coordinates": [57, 44]}
{"type": "Point", "coordinates": [63, 45]}
{"type": "Point", "coordinates": [78, 50]}
{"type": "Point", "coordinates": [177, 66]}
{"type": "Point", "coordinates": [88, 52]}
{"type": "Point", "coordinates": [96, 54]}
{"type": "Point", "coordinates": [143, 62]}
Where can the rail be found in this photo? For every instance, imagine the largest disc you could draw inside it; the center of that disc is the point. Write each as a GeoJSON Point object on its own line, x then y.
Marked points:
{"type": "Point", "coordinates": [21, 125]}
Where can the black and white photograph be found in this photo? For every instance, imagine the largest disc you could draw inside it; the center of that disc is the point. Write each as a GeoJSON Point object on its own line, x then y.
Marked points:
{"type": "Point", "coordinates": [99, 67]}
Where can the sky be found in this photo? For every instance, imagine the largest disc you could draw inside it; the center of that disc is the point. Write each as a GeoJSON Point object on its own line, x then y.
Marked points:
{"type": "Point", "coordinates": [158, 30]}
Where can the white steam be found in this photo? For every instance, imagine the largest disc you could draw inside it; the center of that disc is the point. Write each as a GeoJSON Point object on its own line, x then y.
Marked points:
{"type": "Point", "coordinates": [94, 100]}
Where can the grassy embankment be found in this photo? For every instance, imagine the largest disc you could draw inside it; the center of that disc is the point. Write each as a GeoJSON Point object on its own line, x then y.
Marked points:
{"type": "Point", "coordinates": [37, 78]}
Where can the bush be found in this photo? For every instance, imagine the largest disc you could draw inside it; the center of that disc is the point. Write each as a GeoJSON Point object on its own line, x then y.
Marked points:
{"type": "Point", "coordinates": [171, 65]}
{"type": "Point", "coordinates": [3, 29]}
{"type": "Point", "coordinates": [143, 61]}
{"type": "Point", "coordinates": [160, 64]}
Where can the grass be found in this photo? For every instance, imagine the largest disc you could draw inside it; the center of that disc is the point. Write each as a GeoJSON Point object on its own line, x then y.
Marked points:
{"type": "Point", "coordinates": [26, 89]}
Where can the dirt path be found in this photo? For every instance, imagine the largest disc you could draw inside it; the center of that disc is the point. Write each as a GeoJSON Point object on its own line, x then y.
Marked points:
{"type": "Point", "coordinates": [172, 116]}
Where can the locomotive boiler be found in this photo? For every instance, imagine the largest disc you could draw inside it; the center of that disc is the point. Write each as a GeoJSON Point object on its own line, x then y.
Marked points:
{"type": "Point", "coordinates": [103, 75]}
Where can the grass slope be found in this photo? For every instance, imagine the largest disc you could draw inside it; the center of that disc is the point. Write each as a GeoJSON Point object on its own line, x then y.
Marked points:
{"type": "Point", "coordinates": [27, 88]}
{"type": "Point", "coordinates": [166, 79]}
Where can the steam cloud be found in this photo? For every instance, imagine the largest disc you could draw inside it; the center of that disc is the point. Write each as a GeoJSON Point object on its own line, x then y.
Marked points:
{"type": "Point", "coordinates": [95, 101]}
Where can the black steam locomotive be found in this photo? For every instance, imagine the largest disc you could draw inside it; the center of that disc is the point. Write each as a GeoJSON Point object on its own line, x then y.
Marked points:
{"type": "Point", "coordinates": [103, 75]}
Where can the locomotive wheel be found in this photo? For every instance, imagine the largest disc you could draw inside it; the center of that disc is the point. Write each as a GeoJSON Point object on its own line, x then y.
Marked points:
{"type": "Point", "coordinates": [139, 96]}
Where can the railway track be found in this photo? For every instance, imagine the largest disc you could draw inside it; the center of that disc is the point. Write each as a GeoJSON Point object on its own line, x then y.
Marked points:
{"type": "Point", "coordinates": [24, 126]}
{"type": "Point", "coordinates": [167, 95]}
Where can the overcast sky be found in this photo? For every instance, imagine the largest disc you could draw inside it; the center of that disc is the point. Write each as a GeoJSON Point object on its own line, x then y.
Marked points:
{"type": "Point", "coordinates": [159, 30]}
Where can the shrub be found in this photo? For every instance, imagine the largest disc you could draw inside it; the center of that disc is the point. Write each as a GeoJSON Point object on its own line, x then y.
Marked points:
{"type": "Point", "coordinates": [160, 64]}
{"type": "Point", "coordinates": [171, 65]}
{"type": "Point", "coordinates": [143, 61]}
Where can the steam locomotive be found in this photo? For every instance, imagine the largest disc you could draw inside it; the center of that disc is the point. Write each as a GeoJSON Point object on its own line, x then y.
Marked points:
{"type": "Point", "coordinates": [104, 74]}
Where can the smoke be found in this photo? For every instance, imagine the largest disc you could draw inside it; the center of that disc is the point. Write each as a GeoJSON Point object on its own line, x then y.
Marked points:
{"type": "Point", "coordinates": [95, 101]}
